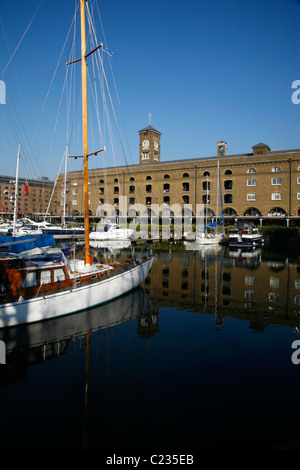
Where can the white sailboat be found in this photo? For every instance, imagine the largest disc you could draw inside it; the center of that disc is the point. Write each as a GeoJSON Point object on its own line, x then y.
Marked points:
{"type": "Point", "coordinates": [210, 233]}
{"type": "Point", "coordinates": [35, 291]}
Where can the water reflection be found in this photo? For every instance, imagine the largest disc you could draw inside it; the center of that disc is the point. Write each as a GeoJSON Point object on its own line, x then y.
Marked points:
{"type": "Point", "coordinates": [173, 367]}
{"type": "Point", "coordinates": [30, 344]}
{"type": "Point", "coordinates": [225, 282]}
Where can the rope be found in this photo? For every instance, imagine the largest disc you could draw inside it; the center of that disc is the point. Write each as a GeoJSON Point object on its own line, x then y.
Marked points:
{"type": "Point", "coordinates": [17, 47]}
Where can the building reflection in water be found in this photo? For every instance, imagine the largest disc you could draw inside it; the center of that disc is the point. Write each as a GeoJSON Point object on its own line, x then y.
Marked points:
{"type": "Point", "coordinates": [227, 283]}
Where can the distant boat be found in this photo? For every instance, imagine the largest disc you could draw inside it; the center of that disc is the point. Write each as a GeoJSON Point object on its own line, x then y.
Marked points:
{"type": "Point", "coordinates": [60, 230]}
{"type": "Point", "coordinates": [211, 233]}
{"type": "Point", "coordinates": [35, 291]}
{"type": "Point", "coordinates": [110, 231]}
{"type": "Point", "coordinates": [245, 234]}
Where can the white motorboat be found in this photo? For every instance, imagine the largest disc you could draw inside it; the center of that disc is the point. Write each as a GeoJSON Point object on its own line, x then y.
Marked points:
{"type": "Point", "coordinates": [245, 234]}
{"type": "Point", "coordinates": [111, 231]}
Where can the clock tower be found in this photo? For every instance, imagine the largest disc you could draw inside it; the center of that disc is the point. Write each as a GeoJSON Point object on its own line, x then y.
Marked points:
{"type": "Point", "coordinates": [149, 145]}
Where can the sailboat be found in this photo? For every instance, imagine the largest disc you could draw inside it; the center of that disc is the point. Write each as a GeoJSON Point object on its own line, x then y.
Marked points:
{"type": "Point", "coordinates": [41, 290]}
{"type": "Point", "coordinates": [211, 233]}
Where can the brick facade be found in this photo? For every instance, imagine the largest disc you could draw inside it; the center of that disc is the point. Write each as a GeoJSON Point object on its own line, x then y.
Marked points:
{"type": "Point", "coordinates": [260, 183]}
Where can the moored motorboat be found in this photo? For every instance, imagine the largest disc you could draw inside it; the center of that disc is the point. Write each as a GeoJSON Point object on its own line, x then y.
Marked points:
{"type": "Point", "coordinates": [245, 234]}
{"type": "Point", "coordinates": [111, 231]}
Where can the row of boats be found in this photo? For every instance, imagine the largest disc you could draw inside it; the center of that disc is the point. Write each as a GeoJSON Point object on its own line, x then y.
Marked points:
{"type": "Point", "coordinates": [104, 231]}
{"type": "Point", "coordinates": [243, 234]}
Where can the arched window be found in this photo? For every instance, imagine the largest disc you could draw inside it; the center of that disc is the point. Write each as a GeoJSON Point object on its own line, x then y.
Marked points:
{"type": "Point", "coordinates": [166, 176]}
{"type": "Point", "coordinates": [185, 175]}
{"type": "Point", "coordinates": [251, 170]}
{"type": "Point", "coordinates": [116, 180]}
{"type": "Point", "coordinates": [252, 211]}
{"type": "Point", "coordinates": [277, 211]}
{"type": "Point", "coordinates": [148, 177]}
{"type": "Point", "coordinates": [206, 173]}
{"type": "Point", "coordinates": [276, 169]}
{"type": "Point", "coordinates": [228, 172]}
{"type": "Point", "coordinates": [131, 178]}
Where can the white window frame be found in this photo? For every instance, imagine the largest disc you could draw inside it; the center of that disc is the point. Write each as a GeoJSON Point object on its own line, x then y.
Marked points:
{"type": "Point", "coordinates": [276, 169]}
{"type": "Point", "coordinates": [59, 274]}
{"type": "Point", "coordinates": [276, 181]}
{"type": "Point", "coordinates": [276, 197]}
{"type": "Point", "coordinates": [45, 277]}
{"type": "Point", "coordinates": [251, 182]}
{"type": "Point", "coordinates": [251, 197]}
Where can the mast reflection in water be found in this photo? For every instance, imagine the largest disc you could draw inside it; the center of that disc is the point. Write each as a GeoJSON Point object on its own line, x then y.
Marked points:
{"type": "Point", "coordinates": [199, 358]}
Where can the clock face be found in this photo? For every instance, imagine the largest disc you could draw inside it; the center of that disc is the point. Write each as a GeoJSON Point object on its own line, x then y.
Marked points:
{"type": "Point", "coordinates": [146, 143]}
{"type": "Point", "coordinates": [155, 145]}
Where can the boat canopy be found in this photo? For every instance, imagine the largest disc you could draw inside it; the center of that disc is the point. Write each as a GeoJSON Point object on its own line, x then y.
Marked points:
{"type": "Point", "coordinates": [19, 244]}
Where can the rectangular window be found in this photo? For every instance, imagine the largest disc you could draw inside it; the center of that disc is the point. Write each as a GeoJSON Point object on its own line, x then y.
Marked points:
{"type": "Point", "coordinates": [276, 197]}
{"type": "Point", "coordinates": [30, 280]}
{"type": "Point", "coordinates": [74, 202]}
{"type": "Point", "coordinates": [251, 197]}
{"type": "Point", "coordinates": [251, 182]}
{"type": "Point", "coordinates": [298, 179]}
{"type": "Point", "coordinates": [298, 196]}
{"type": "Point", "coordinates": [59, 275]}
{"type": "Point", "coordinates": [145, 156]}
{"type": "Point", "coordinates": [45, 277]}
{"type": "Point", "coordinates": [275, 181]}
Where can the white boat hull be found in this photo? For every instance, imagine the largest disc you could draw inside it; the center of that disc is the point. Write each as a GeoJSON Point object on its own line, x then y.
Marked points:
{"type": "Point", "coordinates": [213, 240]}
{"type": "Point", "coordinates": [245, 240]}
{"type": "Point", "coordinates": [117, 235]}
{"type": "Point", "coordinates": [75, 299]}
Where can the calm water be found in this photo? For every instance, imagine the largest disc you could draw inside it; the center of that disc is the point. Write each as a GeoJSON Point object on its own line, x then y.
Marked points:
{"type": "Point", "coordinates": [200, 358]}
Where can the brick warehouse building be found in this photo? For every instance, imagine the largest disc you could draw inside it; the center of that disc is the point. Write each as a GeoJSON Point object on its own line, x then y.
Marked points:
{"type": "Point", "coordinates": [263, 184]}
{"type": "Point", "coordinates": [33, 204]}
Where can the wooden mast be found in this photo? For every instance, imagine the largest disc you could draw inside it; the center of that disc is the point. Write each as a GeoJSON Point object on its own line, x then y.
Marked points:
{"type": "Point", "coordinates": [85, 132]}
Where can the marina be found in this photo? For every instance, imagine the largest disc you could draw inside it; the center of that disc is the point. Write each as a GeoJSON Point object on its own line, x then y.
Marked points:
{"type": "Point", "coordinates": [199, 358]}
{"type": "Point", "coordinates": [149, 301]}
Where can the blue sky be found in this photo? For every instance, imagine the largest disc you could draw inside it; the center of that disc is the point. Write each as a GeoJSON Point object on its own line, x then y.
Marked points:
{"type": "Point", "coordinates": [205, 70]}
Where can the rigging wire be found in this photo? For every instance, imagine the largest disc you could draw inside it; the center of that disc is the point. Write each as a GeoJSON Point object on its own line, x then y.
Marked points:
{"type": "Point", "coordinates": [17, 47]}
